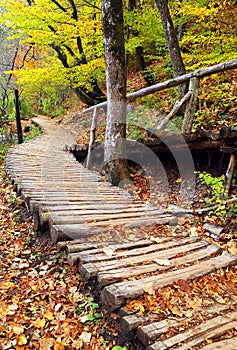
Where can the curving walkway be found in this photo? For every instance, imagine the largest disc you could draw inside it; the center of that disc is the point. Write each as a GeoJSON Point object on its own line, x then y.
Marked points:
{"type": "Point", "coordinates": [67, 199]}
{"type": "Point", "coordinates": [100, 221]}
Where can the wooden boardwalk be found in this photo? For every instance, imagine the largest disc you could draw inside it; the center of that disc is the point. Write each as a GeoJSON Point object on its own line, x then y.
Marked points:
{"type": "Point", "coordinates": [67, 199]}
{"type": "Point", "coordinates": [84, 215]}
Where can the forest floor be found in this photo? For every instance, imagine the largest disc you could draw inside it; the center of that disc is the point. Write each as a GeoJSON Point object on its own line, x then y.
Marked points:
{"type": "Point", "coordinates": [45, 305]}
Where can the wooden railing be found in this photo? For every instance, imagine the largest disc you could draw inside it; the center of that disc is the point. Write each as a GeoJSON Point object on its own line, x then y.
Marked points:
{"type": "Point", "coordinates": [190, 98]}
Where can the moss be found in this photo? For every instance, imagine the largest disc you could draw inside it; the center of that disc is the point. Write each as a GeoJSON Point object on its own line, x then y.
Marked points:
{"type": "Point", "coordinates": [116, 171]}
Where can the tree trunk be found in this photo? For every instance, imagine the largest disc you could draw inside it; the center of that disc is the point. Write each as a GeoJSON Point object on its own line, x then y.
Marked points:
{"type": "Point", "coordinates": [141, 64]}
{"type": "Point", "coordinates": [114, 51]}
{"type": "Point", "coordinates": [172, 42]}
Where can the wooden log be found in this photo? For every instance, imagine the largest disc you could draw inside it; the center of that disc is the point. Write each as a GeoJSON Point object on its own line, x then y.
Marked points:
{"type": "Point", "coordinates": [226, 344]}
{"type": "Point", "coordinates": [114, 296]}
{"type": "Point", "coordinates": [152, 330]}
{"type": "Point", "coordinates": [130, 322]}
{"type": "Point", "coordinates": [230, 172]}
{"type": "Point", "coordinates": [138, 255]}
{"type": "Point", "coordinates": [98, 247]}
{"type": "Point", "coordinates": [174, 111]}
{"type": "Point", "coordinates": [90, 266]}
{"type": "Point", "coordinates": [71, 232]}
{"type": "Point", "coordinates": [92, 135]}
{"type": "Point", "coordinates": [175, 82]}
{"type": "Point", "coordinates": [191, 106]}
{"type": "Point", "coordinates": [83, 217]}
{"type": "Point", "coordinates": [207, 330]}
{"type": "Point", "coordinates": [107, 277]}
{"type": "Point", "coordinates": [73, 257]}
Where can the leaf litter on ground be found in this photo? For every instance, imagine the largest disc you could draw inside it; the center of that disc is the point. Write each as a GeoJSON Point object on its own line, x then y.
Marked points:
{"type": "Point", "coordinates": [43, 303]}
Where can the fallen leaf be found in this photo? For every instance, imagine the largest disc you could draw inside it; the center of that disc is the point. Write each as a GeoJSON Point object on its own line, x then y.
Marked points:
{"type": "Point", "coordinates": [39, 323]}
{"type": "Point", "coordinates": [57, 307]}
{"type": "Point", "coordinates": [18, 329]}
{"type": "Point", "coordinates": [49, 315]}
{"type": "Point", "coordinates": [6, 285]}
{"type": "Point", "coordinates": [21, 340]}
{"type": "Point", "coordinates": [85, 337]}
{"type": "Point", "coordinates": [77, 297]}
{"type": "Point", "coordinates": [108, 251]}
{"type": "Point", "coordinates": [46, 344]}
{"type": "Point", "coordinates": [77, 344]}
{"type": "Point", "coordinates": [193, 231]}
{"type": "Point", "coordinates": [183, 285]}
{"type": "Point", "coordinates": [163, 262]}
{"type": "Point", "coordinates": [149, 288]}
{"type": "Point", "coordinates": [176, 311]}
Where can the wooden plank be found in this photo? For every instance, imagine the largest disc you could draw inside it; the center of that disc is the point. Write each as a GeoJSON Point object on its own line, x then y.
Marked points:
{"type": "Point", "coordinates": [114, 296]}
{"type": "Point", "coordinates": [227, 344]}
{"type": "Point", "coordinates": [107, 277]}
{"type": "Point", "coordinates": [208, 329]}
{"type": "Point", "coordinates": [150, 332]}
{"type": "Point", "coordinates": [140, 255]}
{"type": "Point", "coordinates": [75, 231]}
{"type": "Point", "coordinates": [93, 219]}
{"type": "Point", "coordinates": [95, 248]}
{"type": "Point", "coordinates": [71, 232]}
{"type": "Point", "coordinates": [91, 269]}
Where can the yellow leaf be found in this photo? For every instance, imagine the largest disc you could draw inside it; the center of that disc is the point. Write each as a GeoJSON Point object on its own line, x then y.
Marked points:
{"type": "Point", "coordinates": [39, 322]}
{"type": "Point", "coordinates": [49, 315]}
{"type": "Point", "coordinates": [6, 285]}
{"type": "Point", "coordinates": [34, 288]}
{"type": "Point", "coordinates": [46, 344]}
{"type": "Point", "coordinates": [58, 346]}
{"type": "Point", "coordinates": [22, 340]}
{"type": "Point", "coordinates": [18, 329]}
{"type": "Point", "coordinates": [209, 341]}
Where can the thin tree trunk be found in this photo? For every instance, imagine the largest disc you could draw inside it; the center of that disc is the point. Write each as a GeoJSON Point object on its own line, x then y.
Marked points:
{"type": "Point", "coordinates": [172, 42]}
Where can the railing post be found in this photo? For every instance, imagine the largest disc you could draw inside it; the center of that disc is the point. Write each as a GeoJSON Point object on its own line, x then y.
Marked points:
{"type": "Point", "coordinates": [92, 135]}
{"type": "Point", "coordinates": [18, 117]}
{"type": "Point", "coordinates": [191, 106]}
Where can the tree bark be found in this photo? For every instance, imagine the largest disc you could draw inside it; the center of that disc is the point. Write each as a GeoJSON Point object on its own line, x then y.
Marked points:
{"type": "Point", "coordinates": [114, 51]}
{"type": "Point", "coordinates": [172, 42]}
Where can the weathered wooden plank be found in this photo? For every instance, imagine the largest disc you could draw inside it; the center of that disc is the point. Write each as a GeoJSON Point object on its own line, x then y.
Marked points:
{"type": "Point", "coordinates": [209, 329]}
{"type": "Point", "coordinates": [106, 219]}
{"type": "Point", "coordinates": [71, 232]}
{"type": "Point", "coordinates": [114, 296]}
{"type": "Point", "coordinates": [227, 344]}
{"type": "Point", "coordinates": [91, 269]}
{"type": "Point", "coordinates": [130, 322]}
{"type": "Point", "coordinates": [74, 230]}
{"type": "Point", "coordinates": [107, 277]}
{"type": "Point", "coordinates": [95, 248]}
{"type": "Point", "coordinates": [85, 214]}
{"type": "Point", "coordinates": [140, 255]}
{"type": "Point", "coordinates": [150, 332]}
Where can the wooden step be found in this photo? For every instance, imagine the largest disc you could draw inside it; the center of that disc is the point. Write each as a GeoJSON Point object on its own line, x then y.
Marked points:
{"type": "Point", "coordinates": [115, 295]}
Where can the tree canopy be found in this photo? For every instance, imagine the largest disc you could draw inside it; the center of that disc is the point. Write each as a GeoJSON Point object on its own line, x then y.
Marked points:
{"type": "Point", "coordinates": [61, 43]}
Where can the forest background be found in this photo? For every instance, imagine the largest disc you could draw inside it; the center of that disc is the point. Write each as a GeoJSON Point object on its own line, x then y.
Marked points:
{"type": "Point", "coordinates": [53, 53]}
